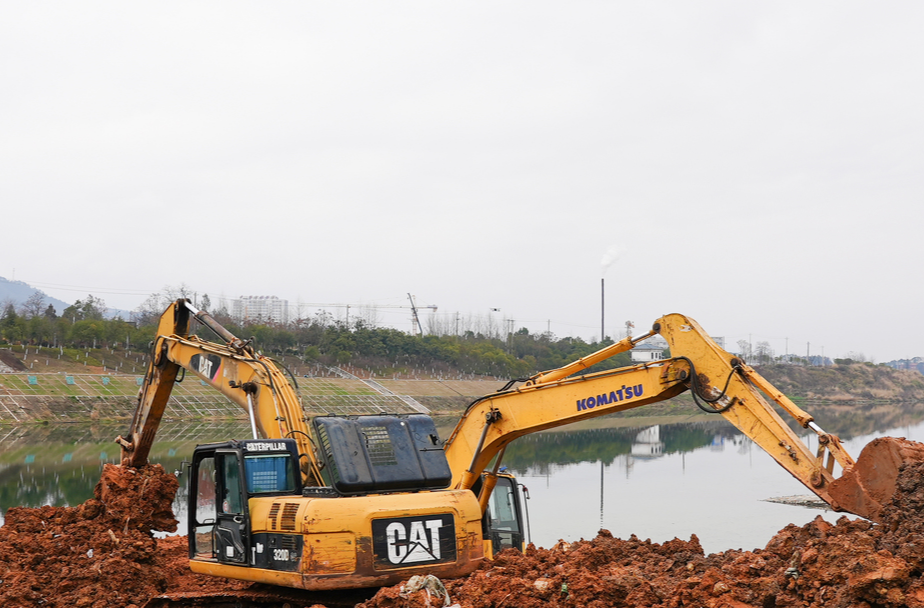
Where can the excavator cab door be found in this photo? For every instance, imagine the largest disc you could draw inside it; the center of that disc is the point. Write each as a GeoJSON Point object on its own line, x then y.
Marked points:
{"type": "Point", "coordinates": [219, 523]}
{"type": "Point", "coordinates": [232, 537]}
{"type": "Point", "coordinates": [202, 509]}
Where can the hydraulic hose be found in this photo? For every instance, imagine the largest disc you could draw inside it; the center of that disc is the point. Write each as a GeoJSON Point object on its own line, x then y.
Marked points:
{"type": "Point", "coordinates": [696, 390]}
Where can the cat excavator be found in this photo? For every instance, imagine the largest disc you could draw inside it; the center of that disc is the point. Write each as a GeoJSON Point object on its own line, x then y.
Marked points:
{"type": "Point", "coordinates": [343, 502]}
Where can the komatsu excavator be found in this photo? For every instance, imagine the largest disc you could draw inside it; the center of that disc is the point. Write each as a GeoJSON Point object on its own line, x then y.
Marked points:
{"type": "Point", "coordinates": [340, 502]}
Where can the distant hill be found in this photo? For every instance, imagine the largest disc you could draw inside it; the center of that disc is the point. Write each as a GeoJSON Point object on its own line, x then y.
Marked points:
{"type": "Point", "coordinates": [18, 292]}
{"type": "Point", "coordinates": [846, 382]}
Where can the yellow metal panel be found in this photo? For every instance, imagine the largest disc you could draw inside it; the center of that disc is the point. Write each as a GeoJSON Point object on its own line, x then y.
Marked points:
{"type": "Point", "coordinates": [330, 553]}
{"type": "Point", "coordinates": [338, 548]}
{"type": "Point", "coordinates": [259, 514]}
{"type": "Point", "coordinates": [245, 573]}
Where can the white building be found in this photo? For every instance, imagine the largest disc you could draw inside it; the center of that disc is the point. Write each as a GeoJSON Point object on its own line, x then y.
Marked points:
{"type": "Point", "coordinates": [649, 350]}
{"type": "Point", "coordinates": [261, 309]}
{"type": "Point", "coordinates": [648, 443]}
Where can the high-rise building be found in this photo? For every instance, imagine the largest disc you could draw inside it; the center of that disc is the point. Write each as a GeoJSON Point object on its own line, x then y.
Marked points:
{"type": "Point", "coordinates": [265, 309]}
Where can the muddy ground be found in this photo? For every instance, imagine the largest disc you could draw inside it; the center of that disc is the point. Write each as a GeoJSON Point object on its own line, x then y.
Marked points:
{"type": "Point", "coordinates": [853, 564]}
{"type": "Point", "coordinates": [102, 554]}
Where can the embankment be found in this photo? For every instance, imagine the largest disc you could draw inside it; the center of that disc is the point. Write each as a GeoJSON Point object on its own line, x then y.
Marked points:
{"type": "Point", "coordinates": [63, 397]}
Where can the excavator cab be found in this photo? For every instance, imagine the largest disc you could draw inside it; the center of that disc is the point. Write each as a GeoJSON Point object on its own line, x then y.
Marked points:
{"type": "Point", "coordinates": [223, 478]}
{"type": "Point", "coordinates": [503, 523]}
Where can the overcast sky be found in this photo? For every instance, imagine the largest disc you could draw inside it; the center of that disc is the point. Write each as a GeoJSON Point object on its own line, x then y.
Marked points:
{"type": "Point", "coordinates": [756, 166]}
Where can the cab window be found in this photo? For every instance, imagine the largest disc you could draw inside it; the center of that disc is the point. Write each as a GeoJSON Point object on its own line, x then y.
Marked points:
{"type": "Point", "coordinates": [269, 473]}
{"type": "Point", "coordinates": [231, 499]}
{"type": "Point", "coordinates": [503, 507]}
{"type": "Point", "coordinates": [205, 508]}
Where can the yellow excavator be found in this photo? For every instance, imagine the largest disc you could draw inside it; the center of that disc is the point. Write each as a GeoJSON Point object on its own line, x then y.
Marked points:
{"type": "Point", "coordinates": [342, 502]}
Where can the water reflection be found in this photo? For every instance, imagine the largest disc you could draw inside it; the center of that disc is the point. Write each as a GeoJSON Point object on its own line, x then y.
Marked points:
{"type": "Point", "coordinates": [60, 464]}
{"type": "Point", "coordinates": [648, 444]}
{"type": "Point", "coordinates": [854, 420]}
{"type": "Point", "coordinates": [716, 487]}
{"type": "Point", "coordinates": [537, 452]}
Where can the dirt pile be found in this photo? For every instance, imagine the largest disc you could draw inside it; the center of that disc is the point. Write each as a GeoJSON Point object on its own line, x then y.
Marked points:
{"type": "Point", "coordinates": [97, 555]}
{"type": "Point", "coordinates": [102, 554]}
{"type": "Point", "coordinates": [850, 564]}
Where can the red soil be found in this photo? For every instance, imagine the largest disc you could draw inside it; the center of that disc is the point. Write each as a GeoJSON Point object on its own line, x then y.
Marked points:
{"type": "Point", "coordinates": [853, 564]}
{"type": "Point", "coordinates": [102, 554]}
{"type": "Point", "coordinates": [97, 555]}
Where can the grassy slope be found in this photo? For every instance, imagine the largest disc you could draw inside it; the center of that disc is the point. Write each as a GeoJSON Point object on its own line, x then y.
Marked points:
{"type": "Point", "coordinates": [838, 384]}
{"type": "Point", "coordinates": [858, 381]}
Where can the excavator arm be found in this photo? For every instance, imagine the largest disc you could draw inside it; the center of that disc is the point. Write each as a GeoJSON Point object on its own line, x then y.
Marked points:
{"type": "Point", "coordinates": [720, 383]}
{"type": "Point", "coordinates": [234, 368]}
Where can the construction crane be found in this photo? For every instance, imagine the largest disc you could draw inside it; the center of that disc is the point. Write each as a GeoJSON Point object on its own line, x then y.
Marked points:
{"type": "Point", "coordinates": [414, 309]}
{"type": "Point", "coordinates": [416, 327]}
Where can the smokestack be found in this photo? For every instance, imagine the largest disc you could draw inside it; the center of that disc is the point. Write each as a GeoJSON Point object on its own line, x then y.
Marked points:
{"type": "Point", "coordinates": [602, 298]}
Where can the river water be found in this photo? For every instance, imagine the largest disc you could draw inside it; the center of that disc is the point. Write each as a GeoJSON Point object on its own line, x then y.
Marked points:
{"type": "Point", "coordinates": [697, 475]}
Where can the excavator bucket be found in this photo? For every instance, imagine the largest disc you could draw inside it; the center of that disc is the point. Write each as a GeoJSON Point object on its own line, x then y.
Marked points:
{"type": "Point", "coordinates": [867, 487]}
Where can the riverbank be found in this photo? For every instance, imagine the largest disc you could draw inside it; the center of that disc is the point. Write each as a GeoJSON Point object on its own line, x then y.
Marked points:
{"type": "Point", "coordinates": [27, 397]}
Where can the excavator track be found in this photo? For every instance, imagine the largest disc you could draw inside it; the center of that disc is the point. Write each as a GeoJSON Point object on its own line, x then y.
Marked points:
{"type": "Point", "coordinates": [260, 596]}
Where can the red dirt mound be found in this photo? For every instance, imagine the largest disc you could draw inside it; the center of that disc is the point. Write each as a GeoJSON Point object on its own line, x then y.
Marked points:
{"type": "Point", "coordinates": [851, 564]}
{"type": "Point", "coordinates": [97, 555]}
{"type": "Point", "coordinates": [180, 579]}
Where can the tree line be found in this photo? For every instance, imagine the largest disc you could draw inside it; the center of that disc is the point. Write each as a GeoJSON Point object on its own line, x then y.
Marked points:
{"type": "Point", "coordinates": [82, 324]}
{"type": "Point", "coordinates": [319, 338]}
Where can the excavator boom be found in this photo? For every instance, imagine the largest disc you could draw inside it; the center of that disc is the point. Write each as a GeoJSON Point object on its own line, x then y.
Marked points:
{"type": "Point", "coordinates": [720, 383]}
{"type": "Point", "coordinates": [234, 368]}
